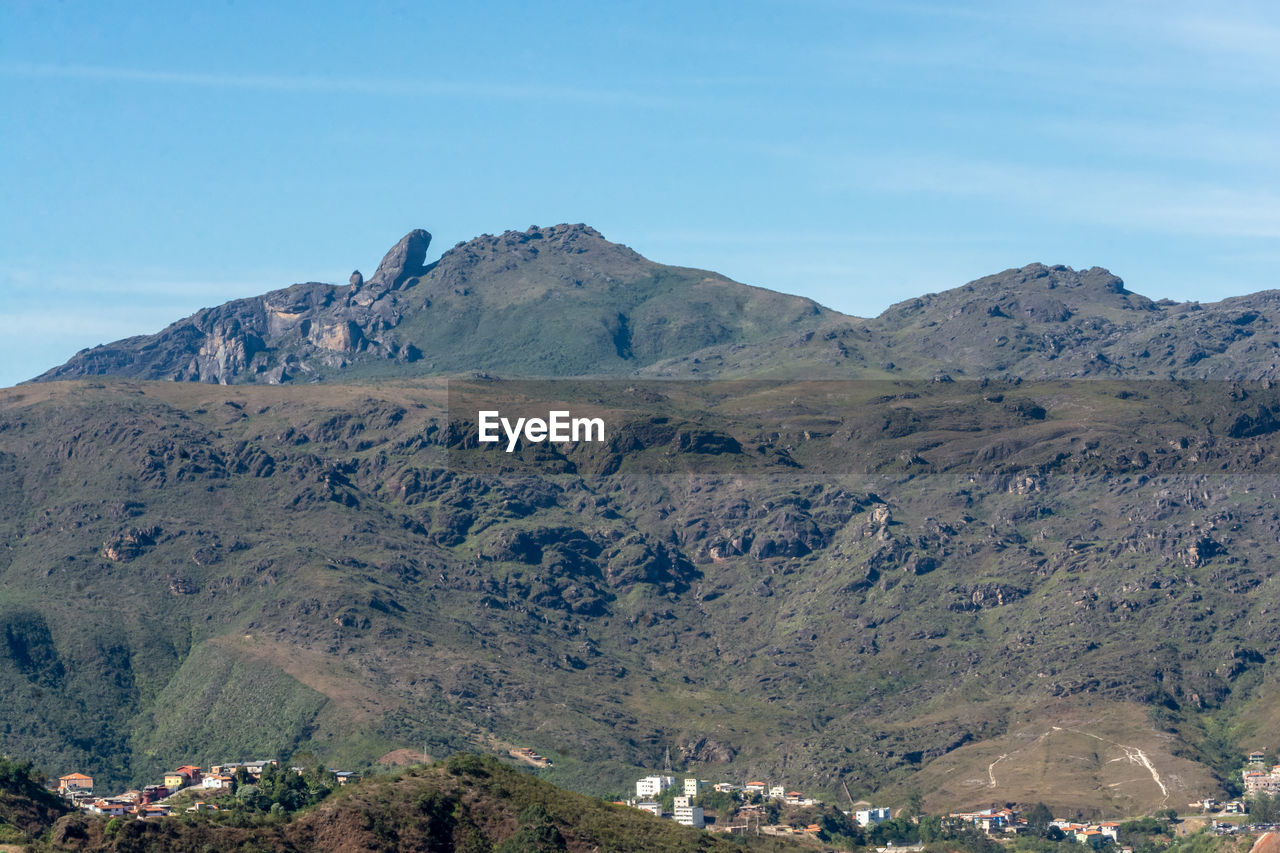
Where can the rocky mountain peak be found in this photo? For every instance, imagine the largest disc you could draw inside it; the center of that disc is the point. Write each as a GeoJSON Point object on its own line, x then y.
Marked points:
{"type": "Point", "coordinates": [404, 261]}
{"type": "Point", "coordinates": [1036, 293]}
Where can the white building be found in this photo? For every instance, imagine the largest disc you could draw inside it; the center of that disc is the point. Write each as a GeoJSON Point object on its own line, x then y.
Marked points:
{"type": "Point", "coordinates": [693, 787]}
{"type": "Point", "coordinates": [652, 786]}
{"type": "Point", "coordinates": [777, 792]}
{"type": "Point", "coordinates": [682, 802]}
{"type": "Point", "coordinates": [871, 816]}
{"type": "Point", "coordinates": [689, 815]}
{"type": "Point", "coordinates": [650, 807]}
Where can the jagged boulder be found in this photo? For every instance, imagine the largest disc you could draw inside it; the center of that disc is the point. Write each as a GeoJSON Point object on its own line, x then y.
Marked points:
{"type": "Point", "coordinates": [403, 262]}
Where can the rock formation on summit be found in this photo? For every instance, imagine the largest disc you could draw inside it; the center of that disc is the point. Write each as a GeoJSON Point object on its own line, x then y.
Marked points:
{"type": "Point", "coordinates": [404, 261]}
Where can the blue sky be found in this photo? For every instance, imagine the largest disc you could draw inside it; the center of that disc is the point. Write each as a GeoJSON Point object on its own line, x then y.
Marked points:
{"type": "Point", "coordinates": [162, 157]}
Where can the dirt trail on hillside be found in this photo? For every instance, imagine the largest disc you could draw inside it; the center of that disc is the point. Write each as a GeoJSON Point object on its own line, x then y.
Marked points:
{"type": "Point", "coordinates": [1134, 755]}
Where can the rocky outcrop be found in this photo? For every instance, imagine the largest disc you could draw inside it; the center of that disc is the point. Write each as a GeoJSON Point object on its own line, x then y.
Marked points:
{"type": "Point", "coordinates": [299, 332]}
{"type": "Point", "coordinates": [404, 261]}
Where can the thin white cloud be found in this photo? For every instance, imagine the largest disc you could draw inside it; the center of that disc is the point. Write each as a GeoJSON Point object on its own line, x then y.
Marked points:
{"type": "Point", "coordinates": [1114, 198]}
{"type": "Point", "coordinates": [1252, 37]}
{"type": "Point", "coordinates": [334, 85]}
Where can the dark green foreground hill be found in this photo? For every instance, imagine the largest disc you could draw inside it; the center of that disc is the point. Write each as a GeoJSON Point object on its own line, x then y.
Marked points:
{"type": "Point", "coordinates": [27, 808]}
{"type": "Point", "coordinates": [467, 805]}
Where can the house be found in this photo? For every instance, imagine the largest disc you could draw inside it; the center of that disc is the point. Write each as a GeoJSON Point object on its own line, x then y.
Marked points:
{"type": "Point", "coordinates": [217, 783]}
{"type": "Point", "coordinates": [1110, 829]}
{"type": "Point", "coordinates": [254, 768]}
{"type": "Point", "coordinates": [988, 820]}
{"type": "Point", "coordinates": [777, 792]}
{"type": "Point", "coordinates": [110, 808]}
{"type": "Point", "coordinates": [80, 799]}
{"type": "Point", "coordinates": [202, 806]}
{"type": "Point", "coordinates": [153, 810]}
{"type": "Point", "coordinates": [1256, 781]}
{"type": "Point", "coordinates": [754, 788]}
{"type": "Point", "coordinates": [726, 788]}
{"type": "Point", "coordinates": [152, 793]}
{"type": "Point", "coordinates": [793, 798]}
{"type": "Point", "coordinates": [1257, 757]}
{"type": "Point", "coordinates": [181, 778]}
{"type": "Point", "coordinates": [74, 782]}
{"type": "Point", "coordinates": [652, 786]}
{"type": "Point", "coordinates": [650, 807]}
{"type": "Point", "coordinates": [687, 815]}
{"type": "Point", "coordinates": [871, 816]}
{"type": "Point", "coordinates": [344, 777]}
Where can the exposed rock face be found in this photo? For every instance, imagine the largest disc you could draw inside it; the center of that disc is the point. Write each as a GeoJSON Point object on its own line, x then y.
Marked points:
{"type": "Point", "coordinates": [404, 261]}
{"type": "Point", "coordinates": [294, 333]}
{"type": "Point", "coordinates": [336, 337]}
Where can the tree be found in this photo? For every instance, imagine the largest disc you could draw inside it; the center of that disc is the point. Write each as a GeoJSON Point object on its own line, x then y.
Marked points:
{"type": "Point", "coordinates": [915, 803]}
{"type": "Point", "coordinates": [720, 802]}
{"type": "Point", "coordinates": [1264, 808]}
{"type": "Point", "coordinates": [1039, 818]}
{"type": "Point", "coordinates": [537, 833]}
{"type": "Point", "coordinates": [930, 829]}
{"type": "Point", "coordinates": [899, 830]}
{"type": "Point", "coordinates": [252, 797]}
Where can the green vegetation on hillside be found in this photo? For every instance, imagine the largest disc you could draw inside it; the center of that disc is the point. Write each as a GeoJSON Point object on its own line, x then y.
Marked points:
{"type": "Point", "coordinates": [26, 806]}
{"type": "Point", "coordinates": [945, 586]}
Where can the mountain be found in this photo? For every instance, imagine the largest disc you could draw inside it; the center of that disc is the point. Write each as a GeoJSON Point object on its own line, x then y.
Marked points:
{"type": "Point", "coordinates": [1036, 322]}
{"type": "Point", "coordinates": [941, 577]}
{"type": "Point", "coordinates": [563, 301]}
{"type": "Point", "coordinates": [878, 585]}
{"type": "Point", "coordinates": [544, 302]}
